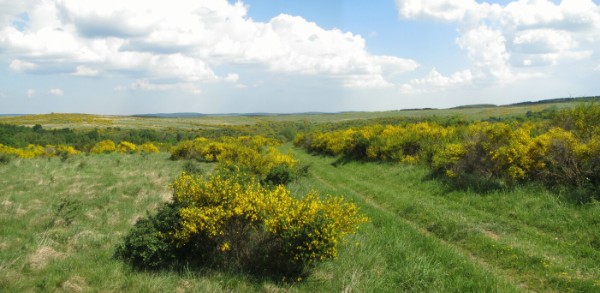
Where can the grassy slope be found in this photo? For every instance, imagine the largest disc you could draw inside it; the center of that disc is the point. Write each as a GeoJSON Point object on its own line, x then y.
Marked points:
{"type": "Point", "coordinates": [462, 241]}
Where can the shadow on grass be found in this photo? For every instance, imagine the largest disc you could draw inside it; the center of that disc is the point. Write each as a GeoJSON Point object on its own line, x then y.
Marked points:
{"type": "Point", "coordinates": [469, 183]}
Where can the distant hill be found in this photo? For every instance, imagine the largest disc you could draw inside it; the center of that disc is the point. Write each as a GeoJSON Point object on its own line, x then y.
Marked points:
{"type": "Point", "coordinates": [529, 103]}
{"type": "Point", "coordinates": [475, 106]}
{"type": "Point", "coordinates": [557, 101]}
{"type": "Point", "coordinates": [195, 115]}
{"type": "Point", "coordinates": [6, 115]}
{"type": "Point", "coordinates": [170, 115]}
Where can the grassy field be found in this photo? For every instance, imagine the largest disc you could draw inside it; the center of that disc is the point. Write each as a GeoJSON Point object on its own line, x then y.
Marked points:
{"type": "Point", "coordinates": [464, 241]}
{"type": "Point", "coordinates": [61, 221]}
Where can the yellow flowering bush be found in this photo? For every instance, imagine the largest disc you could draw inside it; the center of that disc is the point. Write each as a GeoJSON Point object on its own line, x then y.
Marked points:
{"type": "Point", "coordinates": [408, 143]}
{"type": "Point", "coordinates": [149, 148]}
{"type": "Point", "coordinates": [235, 219]}
{"type": "Point", "coordinates": [231, 221]}
{"type": "Point", "coordinates": [127, 147]}
{"type": "Point", "coordinates": [561, 151]}
{"type": "Point", "coordinates": [35, 151]}
{"type": "Point", "coordinates": [105, 146]}
{"type": "Point", "coordinates": [255, 153]}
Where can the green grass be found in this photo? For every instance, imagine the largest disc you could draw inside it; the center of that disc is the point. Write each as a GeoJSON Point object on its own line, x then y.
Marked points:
{"type": "Point", "coordinates": [526, 237]}
{"type": "Point", "coordinates": [60, 223]}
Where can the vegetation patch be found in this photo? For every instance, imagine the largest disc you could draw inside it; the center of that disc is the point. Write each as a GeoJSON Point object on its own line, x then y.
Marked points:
{"type": "Point", "coordinates": [561, 150]}
{"type": "Point", "coordinates": [230, 221]}
{"type": "Point", "coordinates": [42, 256]}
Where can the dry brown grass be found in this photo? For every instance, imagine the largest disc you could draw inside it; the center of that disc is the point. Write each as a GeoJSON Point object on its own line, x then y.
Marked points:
{"type": "Point", "coordinates": [42, 256]}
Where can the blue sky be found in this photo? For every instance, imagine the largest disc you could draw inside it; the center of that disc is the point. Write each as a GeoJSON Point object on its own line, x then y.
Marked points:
{"type": "Point", "coordinates": [218, 56]}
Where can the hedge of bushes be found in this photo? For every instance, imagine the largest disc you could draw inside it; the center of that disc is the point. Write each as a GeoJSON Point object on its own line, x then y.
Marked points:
{"type": "Point", "coordinates": [563, 151]}
{"type": "Point", "coordinates": [105, 146]}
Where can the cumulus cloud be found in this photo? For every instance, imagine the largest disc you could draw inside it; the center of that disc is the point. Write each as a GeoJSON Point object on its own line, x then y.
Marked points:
{"type": "Point", "coordinates": [185, 43]}
{"type": "Point", "coordinates": [435, 81]}
{"type": "Point", "coordinates": [502, 40]}
{"type": "Point", "coordinates": [56, 92]}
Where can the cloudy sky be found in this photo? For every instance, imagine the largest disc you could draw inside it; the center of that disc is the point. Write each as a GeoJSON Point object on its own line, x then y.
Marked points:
{"type": "Point", "coordinates": [218, 56]}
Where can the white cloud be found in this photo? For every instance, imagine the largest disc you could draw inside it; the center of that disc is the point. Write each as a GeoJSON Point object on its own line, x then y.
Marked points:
{"type": "Point", "coordinates": [21, 66]}
{"type": "Point", "coordinates": [487, 50]}
{"type": "Point", "coordinates": [9, 9]}
{"type": "Point", "coordinates": [435, 81]}
{"type": "Point", "coordinates": [434, 78]}
{"type": "Point", "coordinates": [30, 93]}
{"type": "Point", "coordinates": [56, 92]}
{"type": "Point", "coordinates": [366, 82]}
{"type": "Point", "coordinates": [83, 70]}
{"type": "Point", "coordinates": [503, 41]}
{"type": "Point", "coordinates": [445, 10]}
{"type": "Point", "coordinates": [232, 77]}
{"type": "Point", "coordinates": [543, 41]}
{"type": "Point", "coordinates": [186, 41]}
{"type": "Point", "coordinates": [146, 85]}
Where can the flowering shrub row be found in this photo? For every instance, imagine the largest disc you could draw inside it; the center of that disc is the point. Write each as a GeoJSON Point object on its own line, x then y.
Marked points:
{"type": "Point", "coordinates": [34, 151]}
{"type": "Point", "coordinates": [407, 143]}
{"type": "Point", "coordinates": [562, 152]}
{"type": "Point", "coordinates": [106, 146]}
{"type": "Point", "coordinates": [514, 154]}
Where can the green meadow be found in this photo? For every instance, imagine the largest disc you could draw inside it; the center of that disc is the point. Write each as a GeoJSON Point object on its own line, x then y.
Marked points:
{"type": "Point", "coordinates": [62, 219]}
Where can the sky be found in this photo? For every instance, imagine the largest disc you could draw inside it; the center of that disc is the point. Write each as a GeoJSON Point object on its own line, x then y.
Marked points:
{"type": "Point", "coordinates": [217, 56]}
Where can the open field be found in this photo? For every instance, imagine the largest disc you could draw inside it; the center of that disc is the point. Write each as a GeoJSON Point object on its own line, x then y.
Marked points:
{"type": "Point", "coordinates": [85, 121]}
{"type": "Point", "coordinates": [61, 222]}
{"type": "Point", "coordinates": [63, 217]}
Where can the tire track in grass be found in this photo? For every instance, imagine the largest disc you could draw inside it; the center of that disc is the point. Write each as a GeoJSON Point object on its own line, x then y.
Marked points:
{"type": "Point", "coordinates": [536, 248]}
{"type": "Point", "coordinates": [469, 217]}
{"type": "Point", "coordinates": [457, 251]}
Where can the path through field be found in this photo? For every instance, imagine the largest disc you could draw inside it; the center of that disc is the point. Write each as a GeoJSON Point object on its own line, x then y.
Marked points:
{"type": "Point", "coordinates": [425, 237]}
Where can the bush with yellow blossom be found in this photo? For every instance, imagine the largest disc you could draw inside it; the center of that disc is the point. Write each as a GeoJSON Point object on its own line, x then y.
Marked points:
{"type": "Point", "coordinates": [233, 221]}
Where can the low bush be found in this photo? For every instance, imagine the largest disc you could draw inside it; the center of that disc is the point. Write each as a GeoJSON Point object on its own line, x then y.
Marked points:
{"type": "Point", "coordinates": [144, 247]}
{"type": "Point", "coordinates": [5, 158]}
{"type": "Point", "coordinates": [105, 146]}
{"type": "Point", "coordinates": [255, 154]}
{"type": "Point", "coordinates": [235, 223]}
{"type": "Point", "coordinates": [192, 168]}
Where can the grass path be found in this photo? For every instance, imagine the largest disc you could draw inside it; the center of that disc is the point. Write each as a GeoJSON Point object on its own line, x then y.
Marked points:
{"type": "Point", "coordinates": [525, 237]}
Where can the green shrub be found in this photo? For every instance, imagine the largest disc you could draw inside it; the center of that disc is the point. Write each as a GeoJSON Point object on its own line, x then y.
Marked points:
{"type": "Point", "coordinates": [279, 175]}
{"type": "Point", "coordinates": [192, 167]}
{"type": "Point", "coordinates": [5, 158]}
{"type": "Point", "coordinates": [144, 247]}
